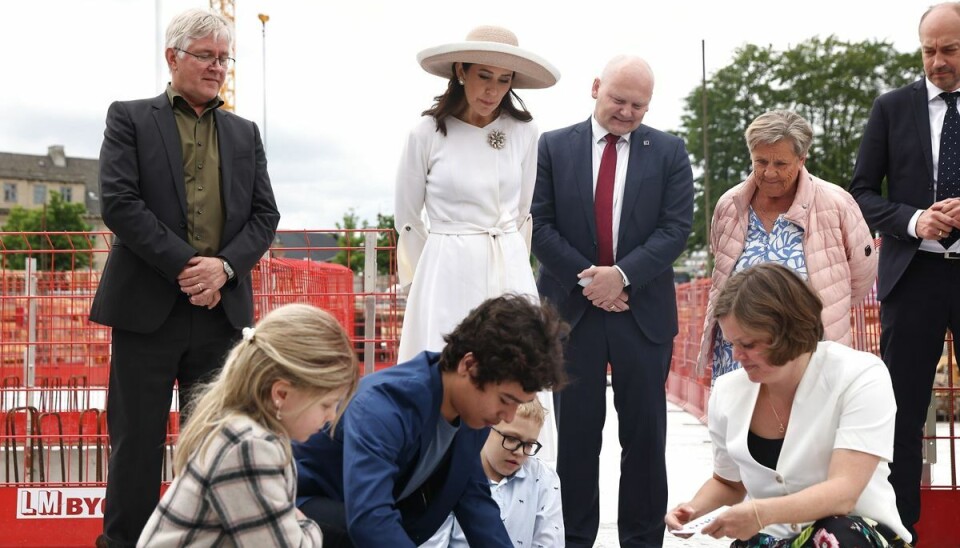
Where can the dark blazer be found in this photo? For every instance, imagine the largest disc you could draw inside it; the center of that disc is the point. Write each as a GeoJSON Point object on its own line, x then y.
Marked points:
{"type": "Point", "coordinates": [384, 430]}
{"type": "Point", "coordinates": [142, 198]}
{"type": "Point", "coordinates": [895, 146]}
{"type": "Point", "coordinates": [655, 221]}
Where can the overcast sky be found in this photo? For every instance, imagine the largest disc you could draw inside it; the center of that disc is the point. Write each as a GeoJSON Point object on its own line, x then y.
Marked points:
{"type": "Point", "coordinates": [342, 83]}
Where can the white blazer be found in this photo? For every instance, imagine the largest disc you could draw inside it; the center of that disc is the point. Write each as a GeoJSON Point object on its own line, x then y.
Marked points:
{"type": "Point", "coordinates": [844, 401]}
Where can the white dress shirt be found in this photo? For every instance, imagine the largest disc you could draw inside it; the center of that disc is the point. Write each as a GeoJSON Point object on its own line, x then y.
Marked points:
{"type": "Point", "coordinates": [529, 506]}
{"type": "Point", "coordinates": [937, 110]}
{"type": "Point", "coordinates": [619, 179]}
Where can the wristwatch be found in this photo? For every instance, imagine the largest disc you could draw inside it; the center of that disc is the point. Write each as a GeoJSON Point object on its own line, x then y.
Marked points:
{"type": "Point", "coordinates": [228, 270]}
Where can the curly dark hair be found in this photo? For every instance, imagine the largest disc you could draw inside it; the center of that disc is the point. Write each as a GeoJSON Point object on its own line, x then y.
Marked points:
{"type": "Point", "coordinates": [453, 101]}
{"type": "Point", "coordinates": [512, 339]}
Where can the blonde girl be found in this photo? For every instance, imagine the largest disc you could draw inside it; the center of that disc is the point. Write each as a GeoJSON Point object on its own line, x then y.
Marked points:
{"type": "Point", "coordinates": [236, 480]}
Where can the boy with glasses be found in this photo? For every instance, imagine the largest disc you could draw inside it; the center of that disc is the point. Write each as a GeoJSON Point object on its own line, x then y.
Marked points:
{"type": "Point", "coordinates": [527, 490]}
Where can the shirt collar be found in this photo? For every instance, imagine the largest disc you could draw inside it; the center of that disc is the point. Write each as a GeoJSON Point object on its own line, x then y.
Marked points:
{"type": "Point", "coordinates": [520, 473]}
{"type": "Point", "coordinates": [599, 133]}
{"type": "Point", "coordinates": [933, 92]}
{"type": "Point", "coordinates": [178, 101]}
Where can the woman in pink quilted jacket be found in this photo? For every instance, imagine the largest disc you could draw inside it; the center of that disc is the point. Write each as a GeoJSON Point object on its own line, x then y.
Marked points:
{"type": "Point", "coordinates": [783, 214]}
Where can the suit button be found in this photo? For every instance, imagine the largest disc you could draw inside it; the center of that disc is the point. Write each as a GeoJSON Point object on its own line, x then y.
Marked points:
{"type": "Point", "coordinates": [183, 224]}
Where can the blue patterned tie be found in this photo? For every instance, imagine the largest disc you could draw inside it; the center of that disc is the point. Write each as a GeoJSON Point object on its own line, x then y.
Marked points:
{"type": "Point", "coordinates": [948, 172]}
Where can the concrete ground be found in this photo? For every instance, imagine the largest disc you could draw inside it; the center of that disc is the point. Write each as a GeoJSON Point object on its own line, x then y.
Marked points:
{"type": "Point", "coordinates": [689, 464]}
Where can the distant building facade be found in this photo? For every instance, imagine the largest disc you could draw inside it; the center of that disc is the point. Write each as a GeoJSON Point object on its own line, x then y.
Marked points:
{"type": "Point", "coordinates": [27, 180]}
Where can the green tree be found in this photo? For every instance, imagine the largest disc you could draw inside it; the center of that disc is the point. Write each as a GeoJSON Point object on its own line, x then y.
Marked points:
{"type": "Point", "coordinates": [57, 216]}
{"type": "Point", "coordinates": [351, 242]}
{"type": "Point", "coordinates": [386, 240]}
{"type": "Point", "coordinates": [829, 82]}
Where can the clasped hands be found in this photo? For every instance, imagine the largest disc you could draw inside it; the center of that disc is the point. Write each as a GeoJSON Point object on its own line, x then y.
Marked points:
{"type": "Point", "coordinates": [201, 279]}
{"type": "Point", "coordinates": [939, 219]}
{"type": "Point", "coordinates": [606, 289]}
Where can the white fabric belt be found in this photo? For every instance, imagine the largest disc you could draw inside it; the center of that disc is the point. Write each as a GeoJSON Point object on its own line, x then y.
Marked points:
{"type": "Point", "coordinates": [496, 274]}
{"type": "Point", "coordinates": [452, 228]}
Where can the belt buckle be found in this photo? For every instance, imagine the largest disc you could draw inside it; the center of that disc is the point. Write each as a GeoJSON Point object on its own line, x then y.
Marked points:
{"type": "Point", "coordinates": [951, 255]}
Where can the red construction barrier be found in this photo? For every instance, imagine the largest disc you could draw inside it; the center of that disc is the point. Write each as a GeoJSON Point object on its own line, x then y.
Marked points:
{"type": "Point", "coordinates": [54, 363]}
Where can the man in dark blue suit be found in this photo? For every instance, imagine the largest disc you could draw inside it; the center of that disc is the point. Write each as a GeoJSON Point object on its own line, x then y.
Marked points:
{"type": "Point", "coordinates": [407, 450]}
{"type": "Point", "coordinates": [919, 265]}
{"type": "Point", "coordinates": [614, 285]}
{"type": "Point", "coordinates": [185, 190]}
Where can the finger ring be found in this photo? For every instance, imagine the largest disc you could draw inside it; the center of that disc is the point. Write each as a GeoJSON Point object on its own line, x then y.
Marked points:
{"type": "Point", "coordinates": [940, 233]}
{"type": "Point", "coordinates": [200, 286]}
{"type": "Point", "coordinates": [610, 307]}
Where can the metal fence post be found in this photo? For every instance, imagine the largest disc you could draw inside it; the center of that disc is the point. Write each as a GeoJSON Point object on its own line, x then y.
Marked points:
{"type": "Point", "coordinates": [369, 301]}
{"type": "Point", "coordinates": [30, 292]}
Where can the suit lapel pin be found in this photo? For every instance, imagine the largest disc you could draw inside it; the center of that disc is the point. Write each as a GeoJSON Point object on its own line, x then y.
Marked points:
{"type": "Point", "coordinates": [646, 143]}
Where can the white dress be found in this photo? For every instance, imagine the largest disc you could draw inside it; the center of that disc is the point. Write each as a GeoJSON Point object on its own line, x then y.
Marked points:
{"type": "Point", "coordinates": [475, 241]}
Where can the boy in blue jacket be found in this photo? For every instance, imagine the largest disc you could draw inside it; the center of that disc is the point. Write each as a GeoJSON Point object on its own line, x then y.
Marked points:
{"type": "Point", "coordinates": [407, 450]}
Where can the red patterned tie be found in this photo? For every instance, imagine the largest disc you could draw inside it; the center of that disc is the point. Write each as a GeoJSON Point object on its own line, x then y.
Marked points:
{"type": "Point", "coordinates": [603, 201]}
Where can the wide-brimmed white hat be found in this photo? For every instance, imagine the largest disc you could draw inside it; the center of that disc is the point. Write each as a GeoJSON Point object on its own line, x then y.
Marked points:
{"type": "Point", "coordinates": [494, 46]}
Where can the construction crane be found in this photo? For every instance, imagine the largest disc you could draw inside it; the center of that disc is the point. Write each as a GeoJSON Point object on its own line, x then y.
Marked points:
{"type": "Point", "coordinates": [227, 9]}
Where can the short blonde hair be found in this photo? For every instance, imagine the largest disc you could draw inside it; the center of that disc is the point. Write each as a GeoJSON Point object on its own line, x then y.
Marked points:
{"type": "Point", "coordinates": [298, 343]}
{"type": "Point", "coordinates": [776, 125]}
{"type": "Point", "coordinates": [534, 411]}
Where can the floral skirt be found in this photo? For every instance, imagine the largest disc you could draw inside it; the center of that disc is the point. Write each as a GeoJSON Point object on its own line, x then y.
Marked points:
{"type": "Point", "coordinates": [832, 532]}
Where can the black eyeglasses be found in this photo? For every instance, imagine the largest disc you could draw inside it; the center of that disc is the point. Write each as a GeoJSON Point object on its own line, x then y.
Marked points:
{"type": "Point", "coordinates": [225, 62]}
{"type": "Point", "coordinates": [510, 443]}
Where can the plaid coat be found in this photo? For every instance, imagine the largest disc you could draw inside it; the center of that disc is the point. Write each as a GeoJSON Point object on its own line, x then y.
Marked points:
{"type": "Point", "coordinates": [240, 494]}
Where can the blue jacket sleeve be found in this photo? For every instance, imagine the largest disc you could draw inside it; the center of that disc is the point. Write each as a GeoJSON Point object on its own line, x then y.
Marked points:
{"type": "Point", "coordinates": [374, 438]}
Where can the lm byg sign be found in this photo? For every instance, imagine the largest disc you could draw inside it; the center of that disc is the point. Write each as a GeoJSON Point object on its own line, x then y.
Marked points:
{"type": "Point", "coordinates": [60, 503]}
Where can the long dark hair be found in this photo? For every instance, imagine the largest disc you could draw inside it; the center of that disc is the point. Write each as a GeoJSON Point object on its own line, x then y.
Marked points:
{"type": "Point", "coordinates": [454, 101]}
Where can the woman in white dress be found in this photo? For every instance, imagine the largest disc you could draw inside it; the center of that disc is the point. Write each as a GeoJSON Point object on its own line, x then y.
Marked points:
{"type": "Point", "coordinates": [471, 164]}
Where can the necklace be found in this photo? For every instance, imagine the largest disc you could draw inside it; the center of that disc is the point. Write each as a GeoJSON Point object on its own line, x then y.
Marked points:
{"type": "Point", "coordinates": [801, 365]}
{"type": "Point", "coordinates": [764, 216]}
{"type": "Point", "coordinates": [780, 427]}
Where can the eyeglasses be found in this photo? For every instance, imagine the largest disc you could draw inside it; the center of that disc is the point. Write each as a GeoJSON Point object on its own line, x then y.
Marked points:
{"type": "Point", "coordinates": [225, 62]}
{"type": "Point", "coordinates": [510, 443]}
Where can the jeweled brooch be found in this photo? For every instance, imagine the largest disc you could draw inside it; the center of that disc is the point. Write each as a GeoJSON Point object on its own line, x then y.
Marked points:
{"type": "Point", "coordinates": [497, 139]}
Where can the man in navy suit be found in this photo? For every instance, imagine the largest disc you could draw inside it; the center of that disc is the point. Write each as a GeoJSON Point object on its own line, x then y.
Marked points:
{"type": "Point", "coordinates": [407, 450]}
{"type": "Point", "coordinates": [620, 302]}
{"type": "Point", "coordinates": [184, 188]}
{"type": "Point", "coordinates": [918, 290]}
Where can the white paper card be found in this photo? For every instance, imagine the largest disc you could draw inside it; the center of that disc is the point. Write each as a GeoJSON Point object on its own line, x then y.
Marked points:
{"type": "Point", "coordinates": [694, 527]}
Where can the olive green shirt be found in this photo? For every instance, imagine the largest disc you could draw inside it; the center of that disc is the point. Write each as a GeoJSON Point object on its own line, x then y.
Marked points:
{"type": "Point", "coordinates": [201, 172]}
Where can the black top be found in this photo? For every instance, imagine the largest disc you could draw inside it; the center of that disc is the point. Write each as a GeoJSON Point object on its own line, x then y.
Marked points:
{"type": "Point", "coordinates": [764, 450]}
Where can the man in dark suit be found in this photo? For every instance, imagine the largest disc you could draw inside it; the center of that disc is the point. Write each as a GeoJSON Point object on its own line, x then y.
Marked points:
{"type": "Point", "coordinates": [407, 450]}
{"type": "Point", "coordinates": [184, 188]}
{"type": "Point", "coordinates": [919, 267]}
{"type": "Point", "coordinates": [606, 262]}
